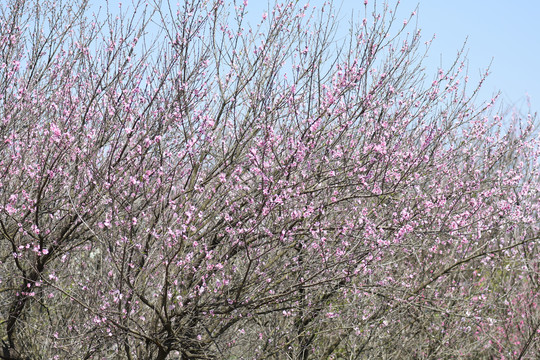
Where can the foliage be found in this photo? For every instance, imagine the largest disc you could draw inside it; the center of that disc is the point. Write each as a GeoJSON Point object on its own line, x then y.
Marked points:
{"type": "Point", "coordinates": [180, 184]}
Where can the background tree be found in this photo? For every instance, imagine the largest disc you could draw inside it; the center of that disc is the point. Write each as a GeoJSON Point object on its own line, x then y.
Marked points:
{"type": "Point", "coordinates": [179, 183]}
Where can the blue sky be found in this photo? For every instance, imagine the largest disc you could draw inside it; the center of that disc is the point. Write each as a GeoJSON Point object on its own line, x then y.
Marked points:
{"type": "Point", "coordinates": [503, 33]}
{"type": "Point", "coordinates": [507, 32]}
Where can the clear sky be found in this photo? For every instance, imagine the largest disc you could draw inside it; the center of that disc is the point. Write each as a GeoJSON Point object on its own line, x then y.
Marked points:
{"type": "Point", "coordinates": [503, 33]}
{"type": "Point", "coordinates": [507, 32]}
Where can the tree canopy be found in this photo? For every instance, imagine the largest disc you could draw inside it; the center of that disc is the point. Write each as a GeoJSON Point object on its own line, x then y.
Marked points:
{"type": "Point", "coordinates": [180, 183]}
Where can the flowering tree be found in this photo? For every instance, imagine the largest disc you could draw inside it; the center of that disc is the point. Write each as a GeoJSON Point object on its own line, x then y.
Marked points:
{"type": "Point", "coordinates": [180, 184]}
